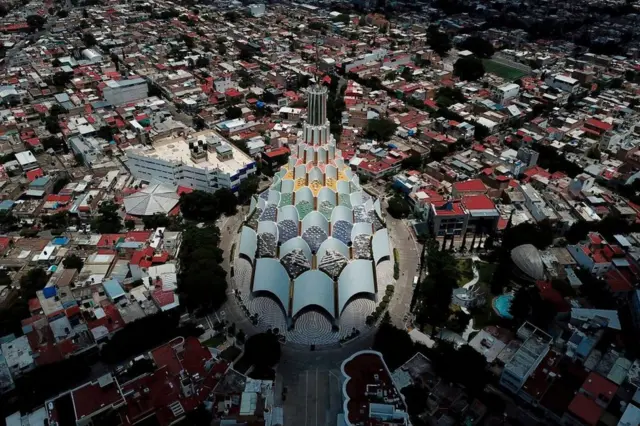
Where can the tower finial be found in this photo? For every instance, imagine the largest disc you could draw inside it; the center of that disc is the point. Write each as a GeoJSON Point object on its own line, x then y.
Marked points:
{"type": "Point", "coordinates": [317, 59]}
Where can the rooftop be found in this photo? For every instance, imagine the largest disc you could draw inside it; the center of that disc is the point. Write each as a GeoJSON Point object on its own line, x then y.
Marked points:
{"type": "Point", "coordinates": [176, 150]}
{"type": "Point", "coordinates": [369, 391]}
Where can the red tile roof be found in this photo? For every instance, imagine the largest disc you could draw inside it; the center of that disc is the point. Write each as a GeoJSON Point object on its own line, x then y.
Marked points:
{"type": "Point", "coordinates": [586, 409]}
{"type": "Point", "coordinates": [598, 386]}
{"type": "Point", "coordinates": [478, 202]}
{"type": "Point", "coordinates": [34, 174]}
{"type": "Point", "coordinates": [472, 185]}
{"type": "Point", "coordinates": [91, 398]}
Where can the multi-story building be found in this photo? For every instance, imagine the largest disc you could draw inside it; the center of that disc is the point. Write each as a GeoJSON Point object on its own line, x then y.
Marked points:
{"type": "Point", "coordinates": [118, 92]}
{"type": "Point", "coordinates": [563, 82]}
{"type": "Point", "coordinates": [203, 161]}
{"type": "Point", "coordinates": [595, 255]}
{"type": "Point", "coordinates": [506, 92]}
{"type": "Point", "coordinates": [535, 346]}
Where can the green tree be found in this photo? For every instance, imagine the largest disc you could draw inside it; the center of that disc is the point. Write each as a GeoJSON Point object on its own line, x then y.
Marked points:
{"type": "Point", "coordinates": [468, 68]}
{"type": "Point", "coordinates": [479, 46]}
{"type": "Point", "coordinates": [7, 220]}
{"type": "Point", "coordinates": [108, 220]}
{"type": "Point", "coordinates": [381, 129]}
{"type": "Point", "coordinates": [89, 39]}
{"type": "Point", "coordinates": [202, 281]}
{"type": "Point", "coordinates": [34, 280]}
{"type": "Point", "coordinates": [60, 79]}
{"type": "Point", "coordinates": [263, 350]}
{"type": "Point", "coordinates": [56, 220]}
{"type": "Point", "coordinates": [398, 207]}
{"type": "Point", "coordinates": [233, 112]}
{"type": "Point", "coordinates": [73, 261]}
{"type": "Point", "coordinates": [36, 22]}
{"type": "Point", "coordinates": [438, 40]}
{"type": "Point", "coordinates": [130, 224]}
{"type": "Point", "coordinates": [248, 187]}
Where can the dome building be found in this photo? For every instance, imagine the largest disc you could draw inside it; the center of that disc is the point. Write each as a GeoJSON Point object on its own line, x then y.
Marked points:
{"type": "Point", "coordinates": [315, 237]}
{"type": "Point", "coordinates": [528, 261]}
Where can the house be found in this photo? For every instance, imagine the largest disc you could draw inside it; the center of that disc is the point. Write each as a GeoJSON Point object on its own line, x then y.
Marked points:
{"type": "Point", "coordinates": [591, 401]}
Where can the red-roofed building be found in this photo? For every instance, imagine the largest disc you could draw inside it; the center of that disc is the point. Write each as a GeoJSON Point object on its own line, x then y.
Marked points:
{"type": "Point", "coordinates": [469, 187]}
{"type": "Point", "coordinates": [96, 397]}
{"type": "Point", "coordinates": [109, 240]}
{"type": "Point", "coordinates": [591, 401]}
{"type": "Point", "coordinates": [363, 371]}
{"type": "Point", "coordinates": [34, 174]}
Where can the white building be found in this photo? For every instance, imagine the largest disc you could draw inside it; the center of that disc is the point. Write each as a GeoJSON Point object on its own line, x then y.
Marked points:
{"type": "Point", "coordinates": [506, 92]}
{"type": "Point", "coordinates": [204, 161]}
{"type": "Point", "coordinates": [563, 82]}
{"type": "Point", "coordinates": [123, 91]}
{"type": "Point", "coordinates": [27, 160]}
{"type": "Point", "coordinates": [256, 10]}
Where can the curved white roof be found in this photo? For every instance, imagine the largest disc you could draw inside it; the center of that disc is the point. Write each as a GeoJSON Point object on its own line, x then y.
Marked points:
{"type": "Point", "coordinates": [316, 174]}
{"type": "Point", "coordinates": [295, 243]}
{"type": "Point", "coordinates": [288, 213]}
{"type": "Point", "coordinates": [331, 171]}
{"type": "Point", "coordinates": [322, 155]}
{"type": "Point", "coordinates": [315, 218]}
{"type": "Point", "coordinates": [300, 171]}
{"type": "Point", "coordinates": [332, 244]}
{"type": "Point", "coordinates": [262, 203]}
{"type": "Point", "coordinates": [527, 258]}
{"type": "Point", "coordinates": [301, 148]}
{"type": "Point", "coordinates": [274, 197]}
{"type": "Point", "coordinates": [327, 194]}
{"type": "Point", "coordinates": [378, 209]}
{"type": "Point", "coordinates": [341, 213]}
{"type": "Point", "coordinates": [380, 245]}
{"type": "Point", "coordinates": [310, 154]}
{"type": "Point", "coordinates": [151, 200]}
{"type": "Point", "coordinates": [361, 228]}
{"type": "Point", "coordinates": [268, 227]}
{"type": "Point", "coordinates": [357, 277]}
{"type": "Point", "coordinates": [356, 198]}
{"type": "Point", "coordinates": [287, 186]}
{"type": "Point", "coordinates": [304, 194]}
{"type": "Point", "coordinates": [271, 276]}
{"type": "Point", "coordinates": [253, 205]}
{"type": "Point", "coordinates": [343, 187]}
{"type": "Point", "coordinates": [248, 242]}
{"type": "Point", "coordinates": [313, 288]}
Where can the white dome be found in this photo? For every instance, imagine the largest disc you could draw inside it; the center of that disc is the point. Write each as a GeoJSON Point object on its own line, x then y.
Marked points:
{"type": "Point", "coordinates": [152, 199]}
{"type": "Point", "coordinates": [527, 259]}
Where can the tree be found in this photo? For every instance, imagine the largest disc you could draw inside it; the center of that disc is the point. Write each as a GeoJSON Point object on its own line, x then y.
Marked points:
{"type": "Point", "coordinates": [202, 62]}
{"type": "Point", "coordinates": [394, 344]}
{"type": "Point", "coordinates": [438, 40]}
{"type": "Point", "coordinates": [108, 220]}
{"type": "Point", "coordinates": [468, 68]}
{"type": "Point", "coordinates": [34, 280]}
{"type": "Point", "coordinates": [594, 153]}
{"type": "Point", "coordinates": [56, 220]}
{"type": "Point", "coordinates": [73, 262]}
{"type": "Point", "coordinates": [479, 46]}
{"type": "Point", "coordinates": [233, 112]}
{"type": "Point", "coordinates": [381, 129]}
{"type": "Point", "coordinates": [60, 79]}
{"type": "Point", "coordinates": [52, 125]}
{"type": "Point", "coordinates": [413, 162]}
{"type": "Point", "coordinates": [202, 281]}
{"type": "Point", "coordinates": [62, 13]}
{"type": "Point", "coordinates": [263, 350]}
{"type": "Point", "coordinates": [189, 42]}
{"type": "Point", "coordinates": [7, 220]}
{"type": "Point", "coordinates": [130, 224]}
{"type": "Point", "coordinates": [398, 207]}
{"type": "Point", "coordinates": [203, 206]}
{"type": "Point", "coordinates": [55, 143]}
{"type": "Point", "coordinates": [248, 187]}
{"type": "Point", "coordinates": [222, 49]}
{"type": "Point", "coordinates": [156, 220]}
{"type": "Point", "coordinates": [36, 22]}
{"type": "Point", "coordinates": [89, 39]}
